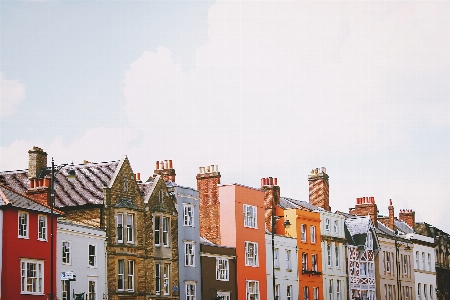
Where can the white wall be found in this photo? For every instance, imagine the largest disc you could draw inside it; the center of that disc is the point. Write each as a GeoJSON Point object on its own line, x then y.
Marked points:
{"type": "Point", "coordinates": [424, 275]}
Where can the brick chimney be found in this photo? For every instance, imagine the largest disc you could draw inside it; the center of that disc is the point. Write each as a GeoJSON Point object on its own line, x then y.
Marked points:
{"type": "Point", "coordinates": [319, 188]}
{"type": "Point", "coordinates": [165, 169]}
{"type": "Point", "coordinates": [391, 215]}
{"type": "Point", "coordinates": [366, 206]}
{"type": "Point", "coordinates": [408, 216]}
{"type": "Point", "coordinates": [38, 189]}
{"type": "Point", "coordinates": [271, 199]}
{"type": "Point", "coordinates": [208, 195]}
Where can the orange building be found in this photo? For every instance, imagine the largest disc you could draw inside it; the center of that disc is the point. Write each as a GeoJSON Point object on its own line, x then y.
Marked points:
{"type": "Point", "coordinates": [305, 226]}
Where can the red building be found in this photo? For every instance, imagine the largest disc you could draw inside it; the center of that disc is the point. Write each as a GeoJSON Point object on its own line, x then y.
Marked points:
{"type": "Point", "coordinates": [25, 247]}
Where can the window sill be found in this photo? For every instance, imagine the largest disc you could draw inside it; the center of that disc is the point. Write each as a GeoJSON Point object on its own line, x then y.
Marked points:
{"type": "Point", "coordinates": [23, 237]}
{"type": "Point", "coordinates": [42, 240]}
{"type": "Point", "coordinates": [31, 293]}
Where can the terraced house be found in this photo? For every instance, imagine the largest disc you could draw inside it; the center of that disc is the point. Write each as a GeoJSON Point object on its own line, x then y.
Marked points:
{"type": "Point", "coordinates": [139, 218]}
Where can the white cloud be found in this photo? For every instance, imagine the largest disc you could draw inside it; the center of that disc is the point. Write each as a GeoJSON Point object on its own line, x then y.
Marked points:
{"type": "Point", "coordinates": [12, 93]}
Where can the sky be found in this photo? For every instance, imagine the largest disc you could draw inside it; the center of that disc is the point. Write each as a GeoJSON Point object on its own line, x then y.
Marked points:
{"type": "Point", "coordinates": [259, 88]}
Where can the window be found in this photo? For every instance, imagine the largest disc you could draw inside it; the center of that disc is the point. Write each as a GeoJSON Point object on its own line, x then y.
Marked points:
{"type": "Point", "coordinates": [405, 265]}
{"type": "Point", "coordinates": [166, 279]}
{"type": "Point", "coordinates": [389, 292]}
{"type": "Point", "coordinates": [157, 231]}
{"type": "Point", "coordinates": [417, 260]}
{"type": "Point", "coordinates": [276, 261]}
{"type": "Point", "coordinates": [327, 224]}
{"type": "Point", "coordinates": [388, 262]}
{"type": "Point", "coordinates": [369, 241]}
{"type": "Point", "coordinates": [92, 256]}
{"type": "Point", "coordinates": [190, 290]}
{"type": "Point", "coordinates": [315, 293]}
{"type": "Point", "coordinates": [166, 231]}
{"type": "Point", "coordinates": [289, 292]}
{"type": "Point", "coordinates": [252, 290]}
{"type": "Point", "coordinates": [251, 254]}
{"type": "Point", "coordinates": [130, 219]}
{"type": "Point", "coordinates": [423, 261]}
{"type": "Point", "coordinates": [363, 268]}
{"type": "Point", "coordinates": [329, 261]}
{"type": "Point", "coordinates": [338, 290]}
{"type": "Point", "coordinates": [66, 252]}
{"type": "Point", "coordinates": [189, 254]}
{"type": "Point", "coordinates": [120, 228]}
{"type": "Point", "coordinates": [188, 215]}
{"type": "Point", "coordinates": [303, 231]}
{"type": "Point", "coordinates": [120, 275]}
{"type": "Point", "coordinates": [330, 289]}
{"type": "Point", "coordinates": [250, 216]}
{"type": "Point", "coordinates": [336, 227]}
{"type": "Point", "coordinates": [158, 279]}
{"type": "Point", "coordinates": [406, 293]}
{"type": "Point", "coordinates": [371, 269]}
{"type": "Point", "coordinates": [125, 184]}
{"type": "Point", "coordinates": [288, 260]}
{"type": "Point", "coordinates": [222, 269]}
{"type": "Point", "coordinates": [42, 227]}
{"type": "Point", "coordinates": [304, 261]}
{"type": "Point", "coordinates": [64, 290]}
{"type": "Point", "coordinates": [425, 291]}
{"type": "Point", "coordinates": [305, 293]}
{"type": "Point", "coordinates": [223, 295]}
{"type": "Point", "coordinates": [419, 287]}
{"type": "Point", "coordinates": [32, 276]}
{"type": "Point", "coordinates": [92, 290]}
{"type": "Point", "coordinates": [431, 292]}
{"type": "Point", "coordinates": [336, 252]}
{"type": "Point", "coordinates": [277, 292]}
{"type": "Point", "coordinates": [429, 262]}
{"type": "Point", "coordinates": [130, 275]}
{"type": "Point", "coordinates": [23, 224]}
{"type": "Point", "coordinates": [314, 262]}
{"type": "Point", "coordinates": [312, 231]}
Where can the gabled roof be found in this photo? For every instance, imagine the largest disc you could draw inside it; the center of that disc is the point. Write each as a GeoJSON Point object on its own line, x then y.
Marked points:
{"type": "Point", "coordinates": [402, 226]}
{"type": "Point", "coordinates": [286, 203]}
{"type": "Point", "coordinates": [148, 187]}
{"type": "Point", "coordinates": [357, 230]}
{"type": "Point", "coordinates": [8, 197]}
{"type": "Point", "coordinates": [87, 188]}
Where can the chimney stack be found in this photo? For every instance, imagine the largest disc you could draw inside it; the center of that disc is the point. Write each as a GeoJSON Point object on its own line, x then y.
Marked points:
{"type": "Point", "coordinates": [271, 191]}
{"type": "Point", "coordinates": [365, 206]}
{"type": "Point", "coordinates": [39, 187]}
{"type": "Point", "coordinates": [319, 188]}
{"type": "Point", "coordinates": [391, 215]}
{"type": "Point", "coordinates": [408, 216]}
{"type": "Point", "coordinates": [37, 159]}
{"type": "Point", "coordinates": [208, 180]}
{"type": "Point", "coordinates": [165, 169]}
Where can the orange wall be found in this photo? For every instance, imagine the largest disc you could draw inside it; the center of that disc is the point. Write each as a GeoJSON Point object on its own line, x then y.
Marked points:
{"type": "Point", "coordinates": [298, 217]}
{"type": "Point", "coordinates": [240, 195]}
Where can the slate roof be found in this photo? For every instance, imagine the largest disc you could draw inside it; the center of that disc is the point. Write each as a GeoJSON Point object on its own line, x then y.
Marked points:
{"type": "Point", "coordinates": [403, 227]}
{"type": "Point", "coordinates": [287, 203]}
{"type": "Point", "coordinates": [357, 228]}
{"type": "Point", "coordinates": [87, 188]}
{"type": "Point", "coordinates": [148, 187]}
{"type": "Point", "coordinates": [8, 197]}
{"type": "Point", "coordinates": [126, 203]}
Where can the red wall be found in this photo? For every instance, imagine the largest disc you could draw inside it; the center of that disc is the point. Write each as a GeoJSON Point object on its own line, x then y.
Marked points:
{"type": "Point", "coordinates": [15, 248]}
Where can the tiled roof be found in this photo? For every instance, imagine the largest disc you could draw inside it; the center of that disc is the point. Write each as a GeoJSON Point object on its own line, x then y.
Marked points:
{"type": "Point", "coordinates": [403, 227]}
{"type": "Point", "coordinates": [205, 241]}
{"type": "Point", "coordinates": [87, 188]}
{"type": "Point", "coordinates": [286, 203]}
{"type": "Point", "coordinates": [10, 197]}
{"type": "Point", "coordinates": [147, 188]}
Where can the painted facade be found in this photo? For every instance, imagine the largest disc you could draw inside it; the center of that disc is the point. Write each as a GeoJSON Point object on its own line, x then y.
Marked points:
{"type": "Point", "coordinates": [81, 252]}
{"type": "Point", "coordinates": [286, 267]}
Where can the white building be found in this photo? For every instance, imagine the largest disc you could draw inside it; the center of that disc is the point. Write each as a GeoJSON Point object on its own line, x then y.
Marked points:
{"type": "Point", "coordinates": [334, 269]}
{"type": "Point", "coordinates": [424, 266]}
{"type": "Point", "coordinates": [81, 256]}
{"type": "Point", "coordinates": [286, 267]}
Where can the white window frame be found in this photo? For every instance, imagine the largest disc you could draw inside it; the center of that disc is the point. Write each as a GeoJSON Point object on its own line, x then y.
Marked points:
{"type": "Point", "coordinates": [315, 293]}
{"type": "Point", "coordinates": [429, 262]}
{"type": "Point", "coordinates": [329, 258]}
{"type": "Point", "coordinates": [405, 264]}
{"type": "Point", "coordinates": [92, 257]}
{"type": "Point", "coordinates": [190, 288]}
{"type": "Point", "coordinates": [276, 260]}
{"type": "Point", "coordinates": [252, 289]}
{"type": "Point", "coordinates": [130, 275]}
{"type": "Point", "coordinates": [336, 226]}
{"type": "Point", "coordinates": [157, 230]}
{"type": "Point", "coordinates": [277, 291]}
{"type": "Point", "coordinates": [338, 289]}
{"type": "Point", "coordinates": [189, 253]}
{"type": "Point", "coordinates": [306, 293]}
{"type": "Point", "coordinates": [419, 288]}
{"type": "Point", "coordinates": [188, 215]}
{"type": "Point", "coordinates": [424, 266]}
{"type": "Point", "coordinates": [66, 248]}
{"type": "Point", "coordinates": [314, 262]}
{"type": "Point", "coordinates": [130, 228]}
{"type": "Point", "coordinates": [330, 289]}
{"type": "Point", "coordinates": [312, 231]}
{"type": "Point", "coordinates": [288, 260]}
{"type": "Point", "coordinates": [336, 252]}
{"type": "Point", "coordinates": [121, 274]}
{"type": "Point", "coordinates": [32, 284]}
{"type": "Point", "coordinates": [166, 279]}
{"type": "Point", "coordinates": [157, 278]}
{"type": "Point", "coordinates": [92, 295]}
{"type": "Point", "coordinates": [64, 290]}
{"type": "Point", "coordinates": [251, 254]}
{"type": "Point", "coordinates": [303, 232]}
{"type": "Point", "coordinates": [224, 295]}
{"type": "Point", "coordinates": [42, 227]}
{"type": "Point", "coordinates": [250, 216]}
{"type": "Point", "coordinates": [222, 269]}
{"type": "Point", "coordinates": [327, 224]}
{"type": "Point", "coordinates": [23, 221]}
{"type": "Point", "coordinates": [388, 262]}
{"type": "Point", "coordinates": [165, 231]}
{"type": "Point", "coordinates": [119, 227]}
{"type": "Point", "coordinates": [417, 260]}
{"type": "Point", "coordinates": [289, 295]}
{"type": "Point", "coordinates": [304, 261]}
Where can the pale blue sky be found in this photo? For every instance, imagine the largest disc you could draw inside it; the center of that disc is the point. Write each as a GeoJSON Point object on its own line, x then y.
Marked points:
{"type": "Point", "coordinates": [259, 88]}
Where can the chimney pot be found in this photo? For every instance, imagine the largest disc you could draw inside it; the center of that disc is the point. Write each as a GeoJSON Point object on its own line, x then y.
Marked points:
{"type": "Point", "coordinates": [31, 183]}
{"type": "Point", "coordinates": [139, 176]}
{"type": "Point", "coordinates": [275, 181]}
{"type": "Point", "coordinates": [270, 181]}
{"type": "Point", "coordinates": [216, 167]}
{"type": "Point", "coordinates": [157, 165]}
{"type": "Point", "coordinates": [170, 164]}
{"type": "Point", "coordinates": [161, 165]}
